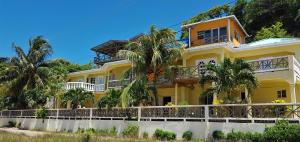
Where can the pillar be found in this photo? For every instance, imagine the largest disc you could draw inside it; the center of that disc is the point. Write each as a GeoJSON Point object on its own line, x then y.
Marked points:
{"type": "Point", "coordinates": [176, 93]}
{"type": "Point", "coordinates": [293, 93]}
{"type": "Point", "coordinates": [190, 37]}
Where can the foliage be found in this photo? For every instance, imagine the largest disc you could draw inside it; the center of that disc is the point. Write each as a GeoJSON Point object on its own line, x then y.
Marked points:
{"type": "Point", "coordinates": [275, 31]}
{"type": "Point", "coordinates": [41, 113]}
{"type": "Point", "coordinates": [77, 97]}
{"type": "Point", "coordinates": [11, 124]}
{"type": "Point", "coordinates": [248, 136]}
{"type": "Point", "coordinates": [135, 93]}
{"type": "Point", "coordinates": [131, 131]}
{"type": "Point", "coordinates": [282, 131]}
{"type": "Point", "coordinates": [229, 77]}
{"type": "Point", "coordinates": [18, 125]}
{"type": "Point", "coordinates": [145, 135]}
{"type": "Point", "coordinates": [187, 135]}
{"type": "Point", "coordinates": [152, 53]}
{"type": "Point", "coordinates": [164, 135]}
{"type": "Point", "coordinates": [36, 97]}
{"type": "Point", "coordinates": [218, 135]}
{"type": "Point", "coordinates": [112, 99]}
{"type": "Point", "coordinates": [27, 71]}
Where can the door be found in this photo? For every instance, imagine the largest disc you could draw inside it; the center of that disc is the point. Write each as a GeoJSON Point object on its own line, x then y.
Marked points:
{"type": "Point", "coordinates": [166, 100]}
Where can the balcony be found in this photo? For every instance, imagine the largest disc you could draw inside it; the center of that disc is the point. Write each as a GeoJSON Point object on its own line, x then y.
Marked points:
{"type": "Point", "coordinates": [215, 39]}
{"type": "Point", "coordinates": [117, 84]}
{"type": "Point", "coordinates": [85, 86]}
{"type": "Point", "coordinates": [100, 60]}
{"type": "Point", "coordinates": [270, 64]}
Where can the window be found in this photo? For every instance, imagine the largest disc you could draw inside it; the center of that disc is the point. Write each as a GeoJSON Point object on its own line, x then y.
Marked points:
{"type": "Point", "coordinates": [281, 94]}
{"type": "Point", "coordinates": [200, 34]}
{"type": "Point", "coordinates": [223, 34]}
{"type": "Point", "coordinates": [243, 96]}
{"type": "Point", "coordinates": [236, 35]}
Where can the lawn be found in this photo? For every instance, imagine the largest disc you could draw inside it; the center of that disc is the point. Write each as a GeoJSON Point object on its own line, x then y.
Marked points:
{"type": "Point", "coordinates": [68, 137]}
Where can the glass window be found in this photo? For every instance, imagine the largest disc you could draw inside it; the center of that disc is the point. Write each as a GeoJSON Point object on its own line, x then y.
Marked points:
{"type": "Point", "coordinates": [281, 94]}
{"type": "Point", "coordinates": [200, 34]}
{"type": "Point", "coordinates": [223, 31]}
{"type": "Point", "coordinates": [236, 35]}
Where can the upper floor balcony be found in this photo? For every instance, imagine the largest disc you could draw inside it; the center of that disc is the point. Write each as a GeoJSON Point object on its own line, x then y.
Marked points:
{"type": "Point", "coordinates": [85, 86]}
{"type": "Point", "coordinates": [100, 60]}
{"type": "Point", "coordinates": [272, 64]}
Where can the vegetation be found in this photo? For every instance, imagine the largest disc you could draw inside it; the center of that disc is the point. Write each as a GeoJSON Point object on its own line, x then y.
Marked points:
{"type": "Point", "coordinates": [256, 14]}
{"type": "Point", "coordinates": [131, 131]}
{"type": "Point", "coordinates": [281, 131]}
{"type": "Point", "coordinates": [187, 135]}
{"type": "Point", "coordinates": [112, 99]}
{"type": "Point", "coordinates": [229, 78]}
{"type": "Point", "coordinates": [152, 55]}
{"type": "Point", "coordinates": [41, 113]}
{"type": "Point", "coordinates": [77, 97]}
{"type": "Point", "coordinates": [218, 135]}
{"type": "Point", "coordinates": [164, 135]}
{"type": "Point", "coordinates": [275, 31]}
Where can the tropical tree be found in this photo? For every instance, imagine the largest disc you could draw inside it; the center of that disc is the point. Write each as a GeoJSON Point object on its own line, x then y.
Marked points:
{"type": "Point", "coordinates": [26, 71]}
{"type": "Point", "coordinates": [229, 77]}
{"type": "Point", "coordinates": [77, 97]}
{"type": "Point", "coordinates": [275, 31]}
{"type": "Point", "coordinates": [112, 99]}
{"type": "Point", "coordinates": [152, 53]}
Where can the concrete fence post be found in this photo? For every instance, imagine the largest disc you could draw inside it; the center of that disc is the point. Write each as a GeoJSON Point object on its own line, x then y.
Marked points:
{"type": "Point", "coordinates": [139, 113]}
{"type": "Point", "coordinates": [206, 113]}
{"type": "Point", "coordinates": [57, 113]}
{"type": "Point", "coordinates": [21, 113]}
{"type": "Point", "coordinates": [91, 113]}
{"type": "Point", "coordinates": [9, 113]}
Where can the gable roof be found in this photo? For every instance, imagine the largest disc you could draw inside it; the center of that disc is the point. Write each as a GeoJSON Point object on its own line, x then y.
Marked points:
{"type": "Point", "coordinates": [215, 19]}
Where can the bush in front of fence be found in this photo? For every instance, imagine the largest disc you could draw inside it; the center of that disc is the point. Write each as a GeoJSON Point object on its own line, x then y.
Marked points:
{"type": "Point", "coordinates": [281, 131]}
{"type": "Point", "coordinates": [131, 131]}
{"type": "Point", "coordinates": [187, 135]}
{"type": "Point", "coordinates": [164, 135]}
{"type": "Point", "coordinates": [101, 132]}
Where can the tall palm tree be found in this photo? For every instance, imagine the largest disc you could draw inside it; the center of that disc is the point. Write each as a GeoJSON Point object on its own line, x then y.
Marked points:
{"type": "Point", "coordinates": [152, 53]}
{"type": "Point", "coordinates": [229, 77]}
{"type": "Point", "coordinates": [27, 71]}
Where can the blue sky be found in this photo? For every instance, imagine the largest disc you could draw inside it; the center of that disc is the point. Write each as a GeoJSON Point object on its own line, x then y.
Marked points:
{"type": "Point", "coordinates": [74, 26]}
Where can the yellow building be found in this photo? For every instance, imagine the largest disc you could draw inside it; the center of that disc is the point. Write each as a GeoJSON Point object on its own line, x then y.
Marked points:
{"type": "Point", "coordinates": [275, 62]}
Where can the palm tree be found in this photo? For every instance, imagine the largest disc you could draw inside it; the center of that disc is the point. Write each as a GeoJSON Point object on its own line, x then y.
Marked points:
{"type": "Point", "coordinates": [77, 97]}
{"type": "Point", "coordinates": [27, 71]}
{"type": "Point", "coordinates": [152, 53]}
{"type": "Point", "coordinates": [229, 77]}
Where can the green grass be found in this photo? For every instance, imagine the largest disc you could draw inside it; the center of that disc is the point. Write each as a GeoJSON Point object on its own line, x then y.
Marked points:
{"type": "Point", "coordinates": [70, 137]}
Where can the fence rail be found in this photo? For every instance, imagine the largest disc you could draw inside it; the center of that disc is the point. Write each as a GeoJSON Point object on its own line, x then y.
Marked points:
{"type": "Point", "coordinates": [224, 113]}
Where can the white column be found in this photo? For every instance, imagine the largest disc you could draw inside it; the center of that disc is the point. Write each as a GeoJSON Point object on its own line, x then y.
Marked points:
{"type": "Point", "coordinates": [293, 93]}
{"type": "Point", "coordinates": [228, 30]}
{"type": "Point", "coordinates": [190, 37]}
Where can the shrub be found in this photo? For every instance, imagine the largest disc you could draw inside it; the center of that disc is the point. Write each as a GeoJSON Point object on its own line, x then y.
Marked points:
{"type": "Point", "coordinates": [245, 136]}
{"type": "Point", "coordinates": [145, 135]}
{"type": "Point", "coordinates": [164, 135]}
{"type": "Point", "coordinates": [282, 131]}
{"type": "Point", "coordinates": [235, 136]}
{"type": "Point", "coordinates": [11, 124]}
{"type": "Point", "coordinates": [41, 113]}
{"type": "Point", "coordinates": [218, 135]}
{"type": "Point", "coordinates": [18, 125]}
{"type": "Point", "coordinates": [187, 135]}
{"type": "Point", "coordinates": [131, 131]}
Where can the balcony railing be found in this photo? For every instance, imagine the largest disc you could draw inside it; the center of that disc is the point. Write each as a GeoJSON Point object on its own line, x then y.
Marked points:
{"type": "Point", "coordinates": [216, 39]}
{"type": "Point", "coordinates": [102, 60]}
{"type": "Point", "coordinates": [270, 64]}
{"type": "Point", "coordinates": [118, 84]}
{"type": "Point", "coordinates": [85, 86]}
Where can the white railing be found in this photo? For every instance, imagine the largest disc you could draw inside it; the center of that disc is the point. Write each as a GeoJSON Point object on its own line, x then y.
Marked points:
{"type": "Point", "coordinates": [296, 66]}
{"type": "Point", "coordinates": [239, 113]}
{"type": "Point", "coordinates": [270, 64]}
{"type": "Point", "coordinates": [85, 86]}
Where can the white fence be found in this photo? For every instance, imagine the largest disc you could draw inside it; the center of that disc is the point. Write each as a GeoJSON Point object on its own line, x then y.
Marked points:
{"type": "Point", "coordinates": [239, 113]}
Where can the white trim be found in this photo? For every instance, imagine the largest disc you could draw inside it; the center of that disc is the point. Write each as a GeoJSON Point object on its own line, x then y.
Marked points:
{"type": "Point", "coordinates": [230, 16]}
